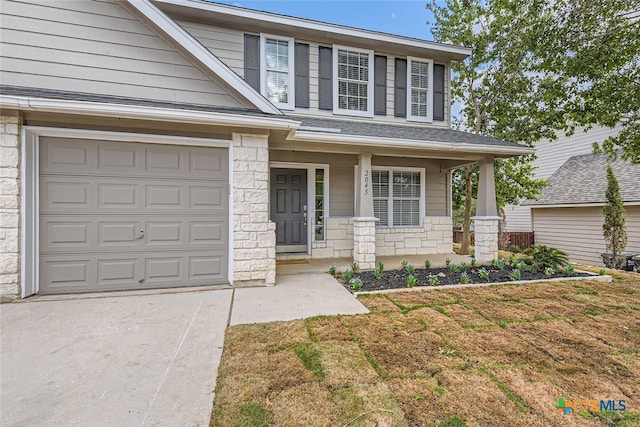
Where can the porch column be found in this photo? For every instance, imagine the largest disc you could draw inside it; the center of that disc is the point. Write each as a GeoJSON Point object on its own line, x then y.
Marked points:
{"type": "Point", "coordinates": [364, 223]}
{"type": "Point", "coordinates": [486, 219]}
{"type": "Point", "coordinates": [254, 237]}
{"type": "Point", "coordinates": [10, 127]}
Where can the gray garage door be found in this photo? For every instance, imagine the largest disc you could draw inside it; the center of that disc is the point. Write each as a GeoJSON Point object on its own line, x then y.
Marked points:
{"type": "Point", "coordinates": [118, 215]}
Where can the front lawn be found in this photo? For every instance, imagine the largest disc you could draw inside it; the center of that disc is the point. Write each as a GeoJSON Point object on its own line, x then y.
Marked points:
{"type": "Point", "coordinates": [498, 355]}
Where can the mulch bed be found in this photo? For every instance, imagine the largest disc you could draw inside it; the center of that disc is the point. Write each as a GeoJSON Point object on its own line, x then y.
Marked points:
{"type": "Point", "coordinates": [397, 279]}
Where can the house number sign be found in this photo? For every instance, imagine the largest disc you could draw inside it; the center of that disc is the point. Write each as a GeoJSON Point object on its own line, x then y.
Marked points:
{"type": "Point", "coordinates": [365, 182]}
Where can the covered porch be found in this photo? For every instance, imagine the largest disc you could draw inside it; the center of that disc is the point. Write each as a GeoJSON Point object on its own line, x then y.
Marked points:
{"type": "Point", "coordinates": [369, 193]}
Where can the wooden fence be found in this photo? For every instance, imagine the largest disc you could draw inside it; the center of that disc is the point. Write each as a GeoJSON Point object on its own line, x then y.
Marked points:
{"type": "Point", "coordinates": [522, 239]}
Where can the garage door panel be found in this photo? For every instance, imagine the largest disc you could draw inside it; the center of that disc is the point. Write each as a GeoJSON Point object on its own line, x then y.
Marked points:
{"type": "Point", "coordinates": [64, 194]}
{"type": "Point", "coordinates": [119, 196]}
{"type": "Point", "coordinates": [117, 216]}
{"type": "Point", "coordinates": [61, 155]}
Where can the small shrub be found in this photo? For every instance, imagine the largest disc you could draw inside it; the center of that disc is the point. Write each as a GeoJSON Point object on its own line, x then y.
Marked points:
{"type": "Point", "coordinates": [377, 273]}
{"type": "Point", "coordinates": [521, 265]}
{"type": "Point", "coordinates": [453, 268]}
{"type": "Point", "coordinates": [514, 249]}
{"type": "Point", "coordinates": [447, 262]}
{"type": "Point", "coordinates": [355, 267]}
{"type": "Point", "coordinates": [347, 275]}
{"type": "Point", "coordinates": [433, 280]}
{"type": "Point", "coordinates": [332, 270]}
{"type": "Point", "coordinates": [484, 274]}
{"type": "Point", "coordinates": [549, 271]}
{"type": "Point", "coordinates": [500, 264]}
{"type": "Point", "coordinates": [602, 272]}
{"type": "Point", "coordinates": [356, 284]}
{"type": "Point", "coordinates": [568, 270]}
{"type": "Point", "coordinates": [544, 256]}
{"type": "Point", "coordinates": [512, 260]}
{"type": "Point", "coordinates": [410, 269]}
{"type": "Point", "coordinates": [464, 278]}
{"type": "Point", "coordinates": [403, 264]}
{"type": "Point", "coordinates": [427, 263]}
{"type": "Point", "coordinates": [463, 266]}
{"type": "Point", "coordinates": [380, 266]}
{"type": "Point", "coordinates": [516, 274]}
{"type": "Point", "coordinates": [411, 281]}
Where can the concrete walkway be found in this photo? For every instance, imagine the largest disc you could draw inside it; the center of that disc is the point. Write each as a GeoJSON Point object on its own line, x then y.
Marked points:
{"type": "Point", "coordinates": [137, 360]}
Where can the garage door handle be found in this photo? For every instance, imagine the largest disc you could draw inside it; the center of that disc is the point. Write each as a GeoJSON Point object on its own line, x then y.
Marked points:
{"type": "Point", "coordinates": [141, 235]}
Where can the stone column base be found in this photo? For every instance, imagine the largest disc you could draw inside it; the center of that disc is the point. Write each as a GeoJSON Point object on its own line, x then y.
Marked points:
{"type": "Point", "coordinates": [486, 236]}
{"type": "Point", "coordinates": [364, 242]}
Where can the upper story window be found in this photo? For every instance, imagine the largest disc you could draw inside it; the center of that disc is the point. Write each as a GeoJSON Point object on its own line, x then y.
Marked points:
{"type": "Point", "coordinates": [420, 90]}
{"type": "Point", "coordinates": [276, 75]}
{"type": "Point", "coordinates": [353, 81]}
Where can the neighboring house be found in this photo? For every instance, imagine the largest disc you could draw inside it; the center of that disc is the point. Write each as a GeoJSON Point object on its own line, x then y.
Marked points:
{"type": "Point", "coordinates": [550, 156]}
{"type": "Point", "coordinates": [181, 143]}
{"type": "Point", "coordinates": [569, 214]}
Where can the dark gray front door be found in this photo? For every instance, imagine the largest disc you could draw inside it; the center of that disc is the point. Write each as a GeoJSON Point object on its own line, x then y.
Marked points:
{"type": "Point", "coordinates": [289, 209]}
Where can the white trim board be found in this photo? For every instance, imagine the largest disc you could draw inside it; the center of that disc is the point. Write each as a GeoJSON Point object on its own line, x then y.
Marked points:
{"type": "Point", "coordinates": [29, 176]}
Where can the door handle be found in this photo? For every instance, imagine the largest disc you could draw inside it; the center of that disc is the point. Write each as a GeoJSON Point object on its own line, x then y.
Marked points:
{"type": "Point", "coordinates": [141, 235]}
{"type": "Point", "coordinates": [305, 218]}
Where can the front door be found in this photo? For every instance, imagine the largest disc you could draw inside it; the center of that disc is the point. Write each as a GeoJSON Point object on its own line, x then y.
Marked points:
{"type": "Point", "coordinates": [289, 209]}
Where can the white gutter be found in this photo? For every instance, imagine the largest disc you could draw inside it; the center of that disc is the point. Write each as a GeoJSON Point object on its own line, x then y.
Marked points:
{"type": "Point", "coordinates": [145, 113]}
{"type": "Point", "coordinates": [325, 27]}
{"type": "Point", "coordinates": [372, 141]}
{"type": "Point", "coordinates": [201, 54]}
{"type": "Point", "coordinates": [578, 205]}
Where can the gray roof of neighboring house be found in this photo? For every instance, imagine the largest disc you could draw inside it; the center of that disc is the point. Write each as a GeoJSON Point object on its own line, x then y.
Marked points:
{"type": "Point", "coordinates": [397, 131]}
{"type": "Point", "coordinates": [583, 179]}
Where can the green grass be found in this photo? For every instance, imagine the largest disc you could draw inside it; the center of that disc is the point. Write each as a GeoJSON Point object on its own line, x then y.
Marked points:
{"type": "Point", "coordinates": [310, 358]}
{"type": "Point", "coordinates": [251, 415]}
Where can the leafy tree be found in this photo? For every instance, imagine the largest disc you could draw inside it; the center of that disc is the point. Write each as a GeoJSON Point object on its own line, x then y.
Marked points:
{"type": "Point", "coordinates": [540, 67]}
{"type": "Point", "coordinates": [613, 229]}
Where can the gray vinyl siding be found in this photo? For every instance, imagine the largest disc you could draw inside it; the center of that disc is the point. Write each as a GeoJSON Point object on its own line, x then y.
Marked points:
{"type": "Point", "coordinates": [552, 155]}
{"type": "Point", "coordinates": [578, 231]}
{"type": "Point", "coordinates": [225, 43]}
{"type": "Point", "coordinates": [97, 47]}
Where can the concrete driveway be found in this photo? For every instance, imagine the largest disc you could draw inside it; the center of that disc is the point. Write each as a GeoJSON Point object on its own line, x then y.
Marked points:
{"type": "Point", "coordinates": [114, 361]}
{"type": "Point", "coordinates": [137, 360]}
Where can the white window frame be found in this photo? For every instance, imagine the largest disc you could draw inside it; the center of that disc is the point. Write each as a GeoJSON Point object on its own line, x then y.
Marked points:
{"type": "Point", "coordinates": [411, 117]}
{"type": "Point", "coordinates": [391, 170]}
{"type": "Point", "coordinates": [370, 83]}
{"type": "Point", "coordinates": [290, 105]}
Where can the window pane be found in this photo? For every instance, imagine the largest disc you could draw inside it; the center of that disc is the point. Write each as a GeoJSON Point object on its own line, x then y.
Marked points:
{"type": "Point", "coordinates": [319, 226]}
{"type": "Point", "coordinates": [406, 212]}
{"type": "Point", "coordinates": [277, 86]}
{"type": "Point", "coordinates": [353, 77]}
{"type": "Point", "coordinates": [380, 182]}
{"type": "Point", "coordinates": [406, 184]}
{"type": "Point", "coordinates": [381, 211]}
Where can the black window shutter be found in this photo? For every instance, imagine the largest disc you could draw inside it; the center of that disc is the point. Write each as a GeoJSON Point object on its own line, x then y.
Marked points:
{"type": "Point", "coordinates": [400, 93]}
{"type": "Point", "coordinates": [252, 60]}
{"type": "Point", "coordinates": [302, 74]}
{"type": "Point", "coordinates": [438, 92]}
{"type": "Point", "coordinates": [380, 78]}
{"type": "Point", "coordinates": [325, 77]}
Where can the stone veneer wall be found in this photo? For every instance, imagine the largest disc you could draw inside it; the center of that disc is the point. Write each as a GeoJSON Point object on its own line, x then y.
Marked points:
{"type": "Point", "coordinates": [486, 238]}
{"type": "Point", "coordinates": [10, 124]}
{"type": "Point", "coordinates": [254, 237]}
{"type": "Point", "coordinates": [435, 237]}
{"type": "Point", "coordinates": [339, 243]}
{"type": "Point", "coordinates": [364, 242]}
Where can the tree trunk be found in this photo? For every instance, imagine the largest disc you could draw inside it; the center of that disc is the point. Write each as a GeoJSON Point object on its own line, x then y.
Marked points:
{"type": "Point", "coordinates": [466, 225]}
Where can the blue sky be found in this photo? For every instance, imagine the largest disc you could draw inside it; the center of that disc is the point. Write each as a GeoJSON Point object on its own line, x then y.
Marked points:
{"type": "Point", "coordinates": [402, 17]}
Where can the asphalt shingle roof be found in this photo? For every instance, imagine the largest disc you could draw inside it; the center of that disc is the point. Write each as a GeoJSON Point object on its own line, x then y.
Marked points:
{"type": "Point", "coordinates": [400, 131]}
{"type": "Point", "coordinates": [583, 179]}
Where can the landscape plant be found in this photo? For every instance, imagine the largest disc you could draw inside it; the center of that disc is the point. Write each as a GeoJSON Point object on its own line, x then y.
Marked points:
{"type": "Point", "coordinates": [464, 278]}
{"type": "Point", "coordinates": [332, 270]}
{"type": "Point", "coordinates": [427, 263]}
{"type": "Point", "coordinates": [568, 270]}
{"type": "Point", "coordinates": [410, 269]}
{"type": "Point", "coordinates": [613, 229]}
{"type": "Point", "coordinates": [484, 274]}
{"type": "Point", "coordinates": [433, 280]}
{"type": "Point", "coordinates": [542, 257]}
{"type": "Point", "coordinates": [355, 267]}
{"type": "Point", "coordinates": [516, 274]}
{"type": "Point", "coordinates": [356, 284]}
{"type": "Point", "coordinates": [411, 281]}
{"type": "Point", "coordinates": [347, 275]}
{"type": "Point", "coordinates": [377, 273]}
